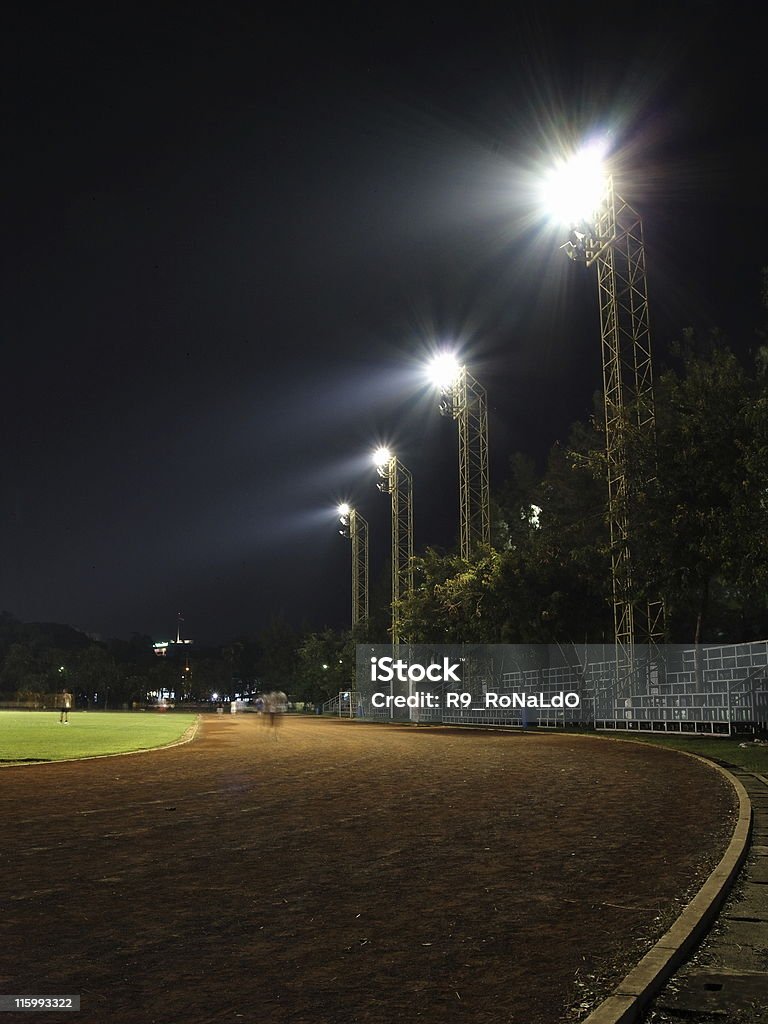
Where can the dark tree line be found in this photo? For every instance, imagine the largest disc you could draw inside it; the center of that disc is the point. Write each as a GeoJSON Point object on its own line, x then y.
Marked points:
{"type": "Point", "coordinates": [39, 660]}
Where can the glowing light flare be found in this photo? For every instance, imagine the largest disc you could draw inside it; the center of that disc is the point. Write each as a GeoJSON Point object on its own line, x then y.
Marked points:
{"type": "Point", "coordinates": [381, 457]}
{"type": "Point", "coordinates": [444, 370]}
{"type": "Point", "coordinates": [344, 509]}
{"type": "Point", "coordinates": [574, 188]}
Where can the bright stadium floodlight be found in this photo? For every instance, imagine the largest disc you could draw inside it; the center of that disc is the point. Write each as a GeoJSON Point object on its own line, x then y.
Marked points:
{"type": "Point", "coordinates": [444, 370]}
{"type": "Point", "coordinates": [575, 187]}
{"type": "Point", "coordinates": [381, 458]}
{"type": "Point", "coordinates": [345, 515]}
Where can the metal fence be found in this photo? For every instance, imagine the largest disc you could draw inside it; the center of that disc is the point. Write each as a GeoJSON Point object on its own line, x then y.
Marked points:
{"type": "Point", "coordinates": [343, 705]}
{"type": "Point", "coordinates": [672, 688]}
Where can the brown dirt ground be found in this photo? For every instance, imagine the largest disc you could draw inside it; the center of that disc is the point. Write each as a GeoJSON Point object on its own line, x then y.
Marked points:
{"type": "Point", "coordinates": [348, 874]}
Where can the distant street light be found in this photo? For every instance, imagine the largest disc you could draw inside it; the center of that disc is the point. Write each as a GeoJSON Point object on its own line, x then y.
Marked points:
{"type": "Point", "coordinates": [464, 399]}
{"type": "Point", "coordinates": [397, 481]}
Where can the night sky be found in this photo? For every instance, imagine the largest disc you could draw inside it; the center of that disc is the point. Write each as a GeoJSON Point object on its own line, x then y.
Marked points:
{"type": "Point", "coordinates": [233, 236]}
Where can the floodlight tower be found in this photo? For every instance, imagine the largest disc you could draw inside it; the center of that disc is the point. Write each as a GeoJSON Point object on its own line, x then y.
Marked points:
{"type": "Point", "coordinates": [397, 481]}
{"type": "Point", "coordinates": [464, 399]}
{"type": "Point", "coordinates": [355, 528]}
{"type": "Point", "coordinates": [605, 231]}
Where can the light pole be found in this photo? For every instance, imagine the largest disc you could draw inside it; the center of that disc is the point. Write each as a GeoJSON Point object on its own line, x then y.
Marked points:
{"type": "Point", "coordinates": [464, 399]}
{"type": "Point", "coordinates": [605, 231]}
{"type": "Point", "coordinates": [355, 528]}
{"type": "Point", "coordinates": [397, 481]}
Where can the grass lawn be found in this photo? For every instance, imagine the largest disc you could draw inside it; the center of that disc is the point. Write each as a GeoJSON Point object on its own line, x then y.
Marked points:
{"type": "Point", "coordinates": [753, 757]}
{"type": "Point", "coordinates": [39, 736]}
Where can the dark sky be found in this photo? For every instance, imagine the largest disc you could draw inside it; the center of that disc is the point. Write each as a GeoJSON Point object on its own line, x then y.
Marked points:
{"type": "Point", "coordinates": [232, 236]}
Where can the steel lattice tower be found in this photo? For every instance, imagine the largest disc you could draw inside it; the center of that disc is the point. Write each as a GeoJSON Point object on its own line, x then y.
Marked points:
{"type": "Point", "coordinates": [355, 528]}
{"type": "Point", "coordinates": [614, 243]}
{"type": "Point", "coordinates": [465, 400]}
{"type": "Point", "coordinates": [397, 481]}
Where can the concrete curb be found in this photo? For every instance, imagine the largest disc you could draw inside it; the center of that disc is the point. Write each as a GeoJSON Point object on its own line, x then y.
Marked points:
{"type": "Point", "coordinates": [187, 736]}
{"type": "Point", "coordinates": [632, 995]}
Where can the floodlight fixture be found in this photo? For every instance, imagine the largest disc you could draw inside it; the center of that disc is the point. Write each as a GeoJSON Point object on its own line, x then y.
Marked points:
{"type": "Point", "coordinates": [575, 187]}
{"type": "Point", "coordinates": [344, 509]}
{"type": "Point", "coordinates": [381, 458]}
{"type": "Point", "coordinates": [444, 370]}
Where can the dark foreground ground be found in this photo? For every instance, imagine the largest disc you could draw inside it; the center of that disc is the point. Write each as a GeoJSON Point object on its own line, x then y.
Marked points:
{"type": "Point", "coordinates": [348, 873]}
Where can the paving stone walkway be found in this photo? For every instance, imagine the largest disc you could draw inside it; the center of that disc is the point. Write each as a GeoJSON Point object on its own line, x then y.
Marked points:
{"type": "Point", "coordinates": [726, 981]}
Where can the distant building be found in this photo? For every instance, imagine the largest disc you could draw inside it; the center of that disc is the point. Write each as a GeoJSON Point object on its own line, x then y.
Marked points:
{"type": "Point", "coordinates": [174, 649]}
{"type": "Point", "coordinates": [163, 648]}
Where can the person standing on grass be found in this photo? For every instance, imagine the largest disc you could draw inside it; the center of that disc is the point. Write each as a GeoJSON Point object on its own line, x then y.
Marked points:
{"type": "Point", "coordinates": [66, 704]}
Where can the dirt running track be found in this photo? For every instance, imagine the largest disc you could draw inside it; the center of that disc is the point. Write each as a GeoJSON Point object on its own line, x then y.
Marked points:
{"type": "Point", "coordinates": [348, 873]}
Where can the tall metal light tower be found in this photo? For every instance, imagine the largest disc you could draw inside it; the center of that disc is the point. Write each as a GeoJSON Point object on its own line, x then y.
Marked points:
{"type": "Point", "coordinates": [355, 528]}
{"type": "Point", "coordinates": [464, 399]}
{"type": "Point", "coordinates": [397, 481]}
{"type": "Point", "coordinates": [608, 233]}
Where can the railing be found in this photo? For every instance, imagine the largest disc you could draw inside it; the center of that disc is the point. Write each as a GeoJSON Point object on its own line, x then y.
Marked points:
{"type": "Point", "coordinates": [344, 705]}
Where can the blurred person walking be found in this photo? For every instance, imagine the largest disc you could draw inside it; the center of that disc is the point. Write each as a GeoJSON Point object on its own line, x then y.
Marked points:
{"type": "Point", "coordinates": [275, 706]}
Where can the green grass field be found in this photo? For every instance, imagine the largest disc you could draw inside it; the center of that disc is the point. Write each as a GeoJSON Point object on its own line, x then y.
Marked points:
{"type": "Point", "coordinates": [753, 757]}
{"type": "Point", "coordinates": [39, 736]}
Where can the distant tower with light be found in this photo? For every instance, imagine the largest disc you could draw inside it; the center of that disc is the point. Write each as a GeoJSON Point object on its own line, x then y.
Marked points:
{"type": "Point", "coordinates": [355, 528]}
{"type": "Point", "coordinates": [464, 400]}
{"type": "Point", "coordinates": [397, 481]}
{"type": "Point", "coordinates": [176, 648]}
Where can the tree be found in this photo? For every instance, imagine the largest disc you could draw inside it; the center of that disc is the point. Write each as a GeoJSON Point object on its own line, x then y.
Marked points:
{"type": "Point", "coordinates": [95, 673]}
{"type": "Point", "coordinates": [277, 663]}
{"type": "Point", "coordinates": [326, 666]}
{"type": "Point", "coordinates": [212, 675]}
{"type": "Point", "coordinates": [24, 671]}
{"type": "Point", "coordinates": [548, 577]}
{"type": "Point", "coordinates": [701, 540]}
